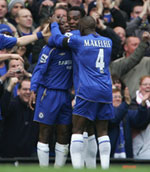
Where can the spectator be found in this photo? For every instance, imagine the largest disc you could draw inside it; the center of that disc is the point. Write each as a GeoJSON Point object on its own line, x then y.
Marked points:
{"type": "Point", "coordinates": [5, 29]}
{"type": "Point", "coordinates": [126, 5]}
{"type": "Point", "coordinates": [117, 83]}
{"type": "Point", "coordinates": [141, 137]}
{"type": "Point", "coordinates": [13, 7]}
{"type": "Point", "coordinates": [20, 133]}
{"type": "Point", "coordinates": [45, 10]}
{"type": "Point", "coordinates": [120, 31]}
{"type": "Point", "coordinates": [120, 131]}
{"type": "Point", "coordinates": [111, 15]}
{"type": "Point", "coordinates": [18, 67]}
{"type": "Point", "coordinates": [139, 20]}
{"type": "Point", "coordinates": [3, 20]}
{"type": "Point", "coordinates": [25, 27]}
{"type": "Point", "coordinates": [133, 64]}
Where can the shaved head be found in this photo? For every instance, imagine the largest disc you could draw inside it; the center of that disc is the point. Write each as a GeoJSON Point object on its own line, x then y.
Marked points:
{"type": "Point", "coordinates": [87, 24]}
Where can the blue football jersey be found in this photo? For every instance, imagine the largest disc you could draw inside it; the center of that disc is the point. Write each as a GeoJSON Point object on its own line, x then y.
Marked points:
{"type": "Point", "coordinates": [91, 58]}
{"type": "Point", "coordinates": [54, 41]}
{"type": "Point", "coordinates": [7, 41]}
{"type": "Point", "coordinates": [53, 70]}
{"type": "Point", "coordinates": [93, 54]}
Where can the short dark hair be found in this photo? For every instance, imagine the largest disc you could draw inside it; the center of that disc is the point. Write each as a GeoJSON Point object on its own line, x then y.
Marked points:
{"type": "Point", "coordinates": [136, 4]}
{"type": "Point", "coordinates": [25, 78]}
{"type": "Point", "coordinates": [76, 8]}
{"type": "Point", "coordinates": [88, 22]}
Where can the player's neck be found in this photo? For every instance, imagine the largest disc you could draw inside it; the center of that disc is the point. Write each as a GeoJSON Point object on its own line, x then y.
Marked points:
{"type": "Point", "coordinates": [87, 32]}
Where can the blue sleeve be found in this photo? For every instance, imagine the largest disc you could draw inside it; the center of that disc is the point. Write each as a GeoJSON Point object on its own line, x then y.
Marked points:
{"type": "Point", "coordinates": [74, 41]}
{"type": "Point", "coordinates": [57, 36]}
{"type": "Point", "coordinates": [138, 118]}
{"type": "Point", "coordinates": [7, 41]}
{"type": "Point", "coordinates": [51, 43]}
{"type": "Point", "coordinates": [41, 67]}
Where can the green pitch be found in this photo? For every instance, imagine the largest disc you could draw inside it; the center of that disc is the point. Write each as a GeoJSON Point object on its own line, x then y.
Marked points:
{"type": "Point", "coordinates": [36, 168]}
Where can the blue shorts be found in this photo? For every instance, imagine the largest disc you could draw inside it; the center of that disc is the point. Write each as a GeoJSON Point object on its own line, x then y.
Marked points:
{"type": "Point", "coordinates": [53, 107]}
{"type": "Point", "coordinates": [93, 110]}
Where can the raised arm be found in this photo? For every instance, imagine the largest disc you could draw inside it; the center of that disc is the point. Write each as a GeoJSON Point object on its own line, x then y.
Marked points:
{"type": "Point", "coordinates": [122, 66]}
{"type": "Point", "coordinates": [10, 56]}
{"type": "Point", "coordinates": [24, 40]}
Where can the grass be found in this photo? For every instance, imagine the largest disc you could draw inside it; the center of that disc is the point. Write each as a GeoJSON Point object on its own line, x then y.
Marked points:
{"type": "Point", "coordinates": [36, 168]}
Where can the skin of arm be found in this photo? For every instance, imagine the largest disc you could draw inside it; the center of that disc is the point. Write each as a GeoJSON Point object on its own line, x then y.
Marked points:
{"type": "Point", "coordinates": [10, 56]}
{"type": "Point", "coordinates": [24, 40]}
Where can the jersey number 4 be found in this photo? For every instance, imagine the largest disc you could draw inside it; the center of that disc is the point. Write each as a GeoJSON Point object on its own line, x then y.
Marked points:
{"type": "Point", "coordinates": [100, 60]}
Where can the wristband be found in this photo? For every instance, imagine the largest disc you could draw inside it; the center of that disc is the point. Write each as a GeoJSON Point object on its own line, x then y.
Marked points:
{"type": "Point", "coordinates": [39, 35]}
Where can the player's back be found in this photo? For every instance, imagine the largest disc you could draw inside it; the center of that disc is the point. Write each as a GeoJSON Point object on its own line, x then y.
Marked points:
{"type": "Point", "coordinates": [93, 55]}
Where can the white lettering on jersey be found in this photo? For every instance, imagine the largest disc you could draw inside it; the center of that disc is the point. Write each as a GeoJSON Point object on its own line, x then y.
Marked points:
{"type": "Point", "coordinates": [97, 43]}
{"type": "Point", "coordinates": [100, 60]}
{"type": "Point", "coordinates": [43, 58]}
{"type": "Point", "coordinates": [68, 34]}
{"type": "Point", "coordinates": [65, 62]}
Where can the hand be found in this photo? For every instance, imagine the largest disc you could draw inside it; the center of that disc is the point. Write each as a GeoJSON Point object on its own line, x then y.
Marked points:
{"type": "Point", "coordinates": [100, 24]}
{"type": "Point", "coordinates": [108, 4]}
{"type": "Point", "coordinates": [99, 6]}
{"type": "Point", "coordinates": [27, 74]}
{"type": "Point", "coordinates": [127, 96]}
{"type": "Point", "coordinates": [32, 100]}
{"type": "Point", "coordinates": [46, 31]}
{"type": "Point", "coordinates": [95, 15]}
{"type": "Point", "coordinates": [47, 3]}
{"type": "Point", "coordinates": [12, 83]}
{"type": "Point", "coordinates": [146, 36]}
{"type": "Point", "coordinates": [10, 73]}
{"type": "Point", "coordinates": [55, 18]}
{"type": "Point", "coordinates": [145, 98]}
{"type": "Point", "coordinates": [16, 57]}
{"type": "Point", "coordinates": [19, 72]}
{"type": "Point", "coordinates": [143, 14]}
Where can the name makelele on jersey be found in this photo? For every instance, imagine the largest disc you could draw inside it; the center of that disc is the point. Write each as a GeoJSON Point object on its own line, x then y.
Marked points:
{"type": "Point", "coordinates": [97, 43]}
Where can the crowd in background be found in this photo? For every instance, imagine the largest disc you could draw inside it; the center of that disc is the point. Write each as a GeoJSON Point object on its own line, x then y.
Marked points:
{"type": "Point", "coordinates": [125, 23]}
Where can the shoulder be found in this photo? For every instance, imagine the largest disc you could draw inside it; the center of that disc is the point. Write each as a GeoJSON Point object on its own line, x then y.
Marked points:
{"type": "Point", "coordinates": [118, 60]}
{"type": "Point", "coordinates": [46, 49]}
